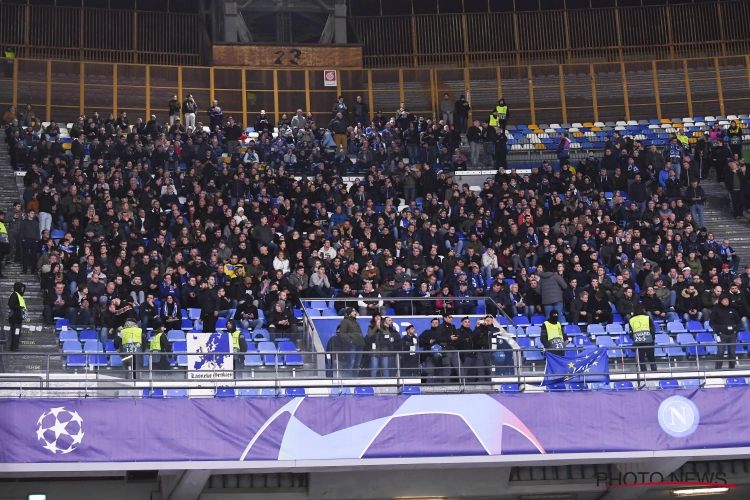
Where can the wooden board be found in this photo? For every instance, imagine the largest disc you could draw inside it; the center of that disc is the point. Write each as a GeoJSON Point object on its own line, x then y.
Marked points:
{"type": "Point", "coordinates": [287, 56]}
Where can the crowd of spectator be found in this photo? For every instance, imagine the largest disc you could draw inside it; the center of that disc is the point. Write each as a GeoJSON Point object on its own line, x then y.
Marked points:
{"type": "Point", "coordinates": [157, 218]}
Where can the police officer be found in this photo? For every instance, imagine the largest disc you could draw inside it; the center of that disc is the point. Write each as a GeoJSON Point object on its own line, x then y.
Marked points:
{"type": "Point", "coordinates": [131, 341]}
{"type": "Point", "coordinates": [237, 339]}
{"type": "Point", "coordinates": [17, 306]}
{"type": "Point", "coordinates": [158, 343]}
{"type": "Point", "coordinates": [642, 331]}
{"type": "Point", "coordinates": [409, 358]}
{"type": "Point", "coordinates": [725, 321]}
{"type": "Point", "coordinates": [553, 337]}
{"type": "Point", "coordinates": [4, 242]}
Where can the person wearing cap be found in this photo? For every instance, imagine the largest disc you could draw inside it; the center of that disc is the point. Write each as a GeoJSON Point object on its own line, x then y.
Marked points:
{"type": "Point", "coordinates": [643, 332]}
{"type": "Point", "coordinates": [409, 358]}
{"type": "Point", "coordinates": [353, 339]}
{"type": "Point", "coordinates": [553, 337]}
{"type": "Point", "coordinates": [725, 321]}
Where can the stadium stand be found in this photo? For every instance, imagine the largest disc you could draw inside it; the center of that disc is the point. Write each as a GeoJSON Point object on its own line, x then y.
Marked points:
{"type": "Point", "coordinates": [149, 211]}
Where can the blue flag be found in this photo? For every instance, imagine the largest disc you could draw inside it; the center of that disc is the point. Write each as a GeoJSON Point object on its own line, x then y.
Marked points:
{"type": "Point", "coordinates": [591, 365]}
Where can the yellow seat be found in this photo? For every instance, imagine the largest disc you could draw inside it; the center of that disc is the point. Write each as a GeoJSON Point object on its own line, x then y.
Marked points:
{"type": "Point", "coordinates": [228, 159]}
{"type": "Point", "coordinates": [538, 131]}
{"type": "Point", "coordinates": [596, 129]}
{"type": "Point", "coordinates": [678, 125]}
{"type": "Point", "coordinates": [697, 134]}
{"type": "Point", "coordinates": [540, 146]}
{"type": "Point", "coordinates": [243, 150]}
{"type": "Point", "coordinates": [533, 126]}
{"type": "Point", "coordinates": [67, 145]}
{"type": "Point", "coordinates": [578, 134]}
{"type": "Point", "coordinates": [692, 140]}
{"type": "Point", "coordinates": [588, 124]}
{"type": "Point", "coordinates": [665, 121]}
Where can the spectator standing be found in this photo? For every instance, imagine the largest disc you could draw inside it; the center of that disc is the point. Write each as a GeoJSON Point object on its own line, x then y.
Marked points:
{"type": "Point", "coordinates": [174, 110]}
{"type": "Point", "coordinates": [17, 307]}
{"type": "Point", "coordinates": [725, 321]}
{"type": "Point", "coordinates": [503, 113]}
{"type": "Point", "coordinates": [696, 198]}
{"type": "Point", "coordinates": [29, 232]}
{"type": "Point", "coordinates": [447, 108]}
{"type": "Point", "coordinates": [462, 114]}
{"type": "Point", "coordinates": [361, 112]}
{"type": "Point", "coordinates": [474, 137]}
{"type": "Point", "coordinates": [551, 287]}
{"type": "Point", "coordinates": [189, 109]}
{"type": "Point", "coordinates": [210, 307]}
{"type": "Point", "coordinates": [553, 337]}
{"type": "Point", "coordinates": [353, 339]}
{"type": "Point", "coordinates": [215, 115]}
{"type": "Point", "coordinates": [643, 331]}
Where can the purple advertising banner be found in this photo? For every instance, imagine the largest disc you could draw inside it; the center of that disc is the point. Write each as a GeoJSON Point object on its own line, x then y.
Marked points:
{"type": "Point", "coordinates": [327, 428]}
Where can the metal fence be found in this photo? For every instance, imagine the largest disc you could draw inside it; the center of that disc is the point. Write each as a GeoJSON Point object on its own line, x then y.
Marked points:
{"type": "Point", "coordinates": [327, 373]}
{"type": "Point", "coordinates": [560, 93]}
{"type": "Point", "coordinates": [102, 35]}
{"type": "Point", "coordinates": [564, 36]}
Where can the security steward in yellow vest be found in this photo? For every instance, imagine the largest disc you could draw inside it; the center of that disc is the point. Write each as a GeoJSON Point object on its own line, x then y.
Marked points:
{"type": "Point", "coordinates": [237, 341]}
{"type": "Point", "coordinates": [158, 343]}
{"type": "Point", "coordinates": [4, 242]}
{"type": "Point", "coordinates": [17, 307]}
{"type": "Point", "coordinates": [131, 341]}
{"type": "Point", "coordinates": [643, 332]}
{"type": "Point", "coordinates": [553, 337]}
{"type": "Point", "coordinates": [503, 113]}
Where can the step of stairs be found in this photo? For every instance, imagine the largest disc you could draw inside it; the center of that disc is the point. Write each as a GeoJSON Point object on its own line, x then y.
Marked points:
{"type": "Point", "coordinates": [39, 345]}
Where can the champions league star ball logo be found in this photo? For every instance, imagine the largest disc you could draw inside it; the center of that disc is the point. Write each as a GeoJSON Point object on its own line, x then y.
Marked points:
{"type": "Point", "coordinates": [60, 430]}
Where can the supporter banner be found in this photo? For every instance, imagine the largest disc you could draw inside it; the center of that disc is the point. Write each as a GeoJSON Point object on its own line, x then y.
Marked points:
{"type": "Point", "coordinates": [207, 365]}
{"type": "Point", "coordinates": [321, 428]}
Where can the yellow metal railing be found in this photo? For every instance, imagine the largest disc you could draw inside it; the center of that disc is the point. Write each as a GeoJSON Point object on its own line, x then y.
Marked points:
{"type": "Point", "coordinates": [552, 93]}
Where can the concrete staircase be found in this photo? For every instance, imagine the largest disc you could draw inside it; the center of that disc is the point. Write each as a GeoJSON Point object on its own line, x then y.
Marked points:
{"type": "Point", "coordinates": [722, 224]}
{"type": "Point", "coordinates": [37, 340]}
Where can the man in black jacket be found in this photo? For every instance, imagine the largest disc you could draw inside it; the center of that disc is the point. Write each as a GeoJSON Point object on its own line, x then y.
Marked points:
{"type": "Point", "coordinates": [468, 358]}
{"type": "Point", "coordinates": [448, 337]}
{"type": "Point", "coordinates": [695, 197]}
{"type": "Point", "coordinates": [474, 137]}
{"type": "Point", "coordinates": [429, 341]}
{"type": "Point", "coordinates": [725, 321]}
{"type": "Point", "coordinates": [210, 306]}
{"type": "Point", "coordinates": [174, 110]}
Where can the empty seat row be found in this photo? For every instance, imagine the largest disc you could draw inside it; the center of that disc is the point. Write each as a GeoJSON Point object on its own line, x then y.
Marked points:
{"type": "Point", "coordinates": [270, 392]}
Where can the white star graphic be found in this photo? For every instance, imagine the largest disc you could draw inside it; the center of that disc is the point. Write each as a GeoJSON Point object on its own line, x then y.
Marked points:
{"type": "Point", "coordinates": [75, 417]}
{"type": "Point", "coordinates": [51, 446]}
{"type": "Point", "coordinates": [77, 438]}
{"type": "Point", "coordinates": [56, 411]}
{"type": "Point", "coordinates": [40, 433]}
{"type": "Point", "coordinates": [59, 428]}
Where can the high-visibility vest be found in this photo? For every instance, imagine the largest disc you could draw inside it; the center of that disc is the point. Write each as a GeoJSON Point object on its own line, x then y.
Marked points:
{"type": "Point", "coordinates": [9, 54]}
{"type": "Point", "coordinates": [155, 342]}
{"type": "Point", "coordinates": [21, 302]}
{"type": "Point", "coordinates": [553, 331]}
{"type": "Point", "coordinates": [494, 121]}
{"type": "Point", "coordinates": [502, 112]}
{"type": "Point", "coordinates": [132, 335]}
{"type": "Point", "coordinates": [235, 340]}
{"type": "Point", "coordinates": [640, 326]}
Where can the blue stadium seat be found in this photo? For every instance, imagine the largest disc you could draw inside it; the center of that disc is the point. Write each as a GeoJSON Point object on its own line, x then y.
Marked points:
{"type": "Point", "coordinates": [600, 386]}
{"type": "Point", "coordinates": [364, 391]}
{"type": "Point", "coordinates": [294, 391]}
{"type": "Point", "coordinates": [61, 323]}
{"type": "Point", "coordinates": [705, 339]}
{"type": "Point", "coordinates": [224, 392]}
{"type": "Point", "coordinates": [559, 387]}
{"type": "Point", "coordinates": [691, 383]}
{"type": "Point", "coordinates": [87, 335]}
{"type": "Point", "coordinates": [66, 335]}
{"type": "Point", "coordinates": [736, 382]}
{"type": "Point", "coordinates": [669, 384]}
{"type": "Point", "coordinates": [614, 329]}
{"type": "Point", "coordinates": [624, 386]}
{"type": "Point", "coordinates": [186, 324]}
{"type": "Point", "coordinates": [221, 324]}
{"type": "Point", "coordinates": [176, 394]}
{"type": "Point", "coordinates": [694, 327]}
{"type": "Point", "coordinates": [412, 390]}
{"type": "Point", "coordinates": [290, 354]}
{"type": "Point", "coordinates": [533, 331]}
{"type": "Point", "coordinates": [261, 334]}
{"type": "Point", "coordinates": [193, 314]}
{"type": "Point", "coordinates": [691, 346]}
{"type": "Point", "coordinates": [572, 330]}
{"type": "Point", "coordinates": [510, 388]}
{"type": "Point", "coordinates": [537, 319]}
{"type": "Point", "coordinates": [248, 393]}
{"type": "Point", "coordinates": [341, 391]}
{"type": "Point", "coordinates": [521, 321]}
{"type": "Point", "coordinates": [57, 234]}
{"type": "Point", "coordinates": [595, 329]}
{"type": "Point", "coordinates": [252, 358]}
{"type": "Point", "coordinates": [674, 327]}
{"type": "Point", "coordinates": [582, 341]}
{"type": "Point", "coordinates": [612, 350]}
{"type": "Point", "coordinates": [267, 351]}
{"type": "Point", "coordinates": [175, 335]}
{"type": "Point", "coordinates": [577, 386]}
